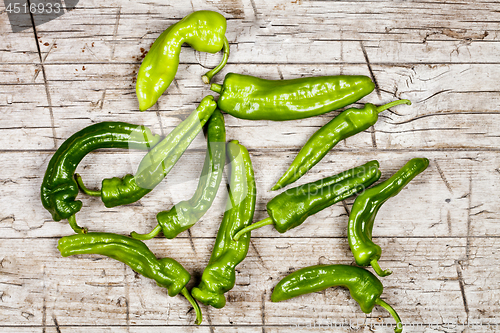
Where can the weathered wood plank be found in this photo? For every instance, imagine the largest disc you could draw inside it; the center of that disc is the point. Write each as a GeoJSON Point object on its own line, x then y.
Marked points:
{"type": "Point", "coordinates": [443, 115]}
{"type": "Point", "coordinates": [77, 288]}
{"type": "Point", "coordinates": [439, 235]}
{"type": "Point", "coordinates": [284, 32]}
{"type": "Point", "coordinates": [440, 197]}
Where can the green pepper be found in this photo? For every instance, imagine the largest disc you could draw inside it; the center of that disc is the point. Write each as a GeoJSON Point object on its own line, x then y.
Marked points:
{"type": "Point", "coordinates": [219, 275]}
{"type": "Point", "coordinates": [346, 124]}
{"type": "Point", "coordinates": [167, 272]}
{"type": "Point", "coordinates": [59, 189]}
{"type": "Point", "coordinates": [292, 207]}
{"type": "Point", "coordinates": [365, 209]}
{"type": "Point", "coordinates": [249, 97]}
{"type": "Point", "coordinates": [364, 287]}
{"type": "Point", "coordinates": [186, 213]}
{"type": "Point", "coordinates": [203, 30]}
{"type": "Point", "coordinates": [158, 161]}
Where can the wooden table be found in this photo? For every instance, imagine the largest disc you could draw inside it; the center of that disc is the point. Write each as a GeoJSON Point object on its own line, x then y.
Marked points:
{"type": "Point", "coordinates": [440, 235]}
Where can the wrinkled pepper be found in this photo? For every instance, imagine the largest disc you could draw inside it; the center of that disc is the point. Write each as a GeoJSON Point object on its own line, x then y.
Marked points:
{"type": "Point", "coordinates": [158, 161]}
{"type": "Point", "coordinates": [203, 30]}
{"type": "Point", "coordinates": [186, 213]}
{"type": "Point", "coordinates": [365, 209]}
{"type": "Point", "coordinates": [248, 97]}
{"type": "Point", "coordinates": [167, 272]}
{"type": "Point", "coordinates": [59, 188]}
{"type": "Point", "coordinates": [346, 124]}
{"type": "Point", "coordinates": [292, 207]}
{"type": "Point", "coordinates": [365, 288]}
{"type": "Point", "coordinates": [219, 275]}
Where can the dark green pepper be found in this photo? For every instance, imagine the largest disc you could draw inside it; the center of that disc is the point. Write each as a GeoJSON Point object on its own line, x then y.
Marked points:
{"type": "Point", "coordinates": [158, 161]}
{"type": "Point", "coordinates": [346, 124]}
{"type": "Point", "coordinates": [167, 272]}
{"type": "Point", "coordinates": [219, 275]}
{"type": "Point", "coordinates": [249, 97]}
{"type": "Point", "coordinates": [292, 207]}
{"type": "Point", "coordinates": [203, 30]}
{"type": "Point", "coordinates": [186, 213]}
{"type": "Point", "coordinates": [364, 287]}
{"type": "Point", "coordinates": [365, 209]}
{"type": "Point", "coordinates": [59, 189]}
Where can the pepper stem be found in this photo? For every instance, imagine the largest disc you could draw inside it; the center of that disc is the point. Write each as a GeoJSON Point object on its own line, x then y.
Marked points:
{"type": "Point", "coordinates": [394, 314]}
{"type": "Point", "coordinates": [75, 227]}
{"type": "Point", "coordinates": [378, 270]}
{"type": "Point", "coordinates": [84, 189]}
{"type": "Point", "coordinates": [256, 225]}
{"type": "Point", "coordinates": [199, 316]}
{"type": "Point", "coordinates": [208, 75]}
{"type": "Point", "coordinates": [216, 87]}
{"type": "Point", "coordinates": [149, 235]}
{"type": "Point", "coordinates": [391, 104]}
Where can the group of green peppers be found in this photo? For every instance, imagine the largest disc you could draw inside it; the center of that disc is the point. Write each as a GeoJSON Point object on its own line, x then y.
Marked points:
{"type": "Point", "coordinates": [244, 97]}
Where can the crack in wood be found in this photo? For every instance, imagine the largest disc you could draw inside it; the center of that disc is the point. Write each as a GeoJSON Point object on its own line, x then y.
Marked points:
{"type": "Point", "coordinates": [469, 219]}
{"type": "Point", "coordinates": [56, 324]}
{"type": "Point", "coordinates": [209, 319]}
{"type": "Point", "coordinates": [462, 290]}
{"type": "Point", "coordinates": [162, 132]}
{"type": "Point", "coordinates": [441, 173]}
{"type": "Point", "coordinates": [365, 54]}
{"type": "Point", "coordinates": [115, 31]}
{"type": "Point", "coordinates": [47, 91]}
{"type": "Point", "coordinates": [191, 240]}
{"type": "Point", "coordinates": [263, 311]}
{"type": "Point", "coordinates": [258, 254]}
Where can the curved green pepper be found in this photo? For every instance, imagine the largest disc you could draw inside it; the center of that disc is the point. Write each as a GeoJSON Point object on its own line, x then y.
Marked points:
{"type": "Point", "coordinates": [59, 189]}
{"type": "Point", "coordinates": [219, 275]}
{"type": "Point", "coordinates": [203, 30]}
{"type": "Point", "coordinates": [186, 213]}
{"type": "Point", "coordinates": [167, 272]}
{"type": "Point", "coordinates": [365, 209]}
{"type": "Point", "coordinates": [158, 161]}
{"type": "Point", "coordinates": [364, 287]}
{"type": "Point", "coordinates": [292, 207]}
{"type": "Point", "coordinates": [346, 124]}
{"type": "Point", "coordinates": [249, 97]}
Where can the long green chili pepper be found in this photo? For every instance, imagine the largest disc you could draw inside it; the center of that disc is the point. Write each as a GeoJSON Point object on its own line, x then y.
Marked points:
{"type": "Point", "coordinates": [292, 207]}
{"type": "Point", "coordinates": [167, 272]}
{"type": "Point", "coordinates": [365, 209]}
{"type": "Point", "coordinates": [249, 97]}
{"type": "Point", "coordinates": [219, 275]}
{"type": "Point", "coordinates": [203, 30]}
{"type": "Point", "coordinates": [158, 161]}
{"type": "Point", "coordinates": [346, 124]}
{"type": "Point", "coordinates": [186, 213]}
{"type": "Point", "coordinates": [59, 189]}
{"type": "Point", "coordinates": [364, 287]}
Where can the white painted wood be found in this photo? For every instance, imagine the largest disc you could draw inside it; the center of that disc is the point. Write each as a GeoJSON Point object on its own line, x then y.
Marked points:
{"type": "Point", "coordinates": [439, 235]}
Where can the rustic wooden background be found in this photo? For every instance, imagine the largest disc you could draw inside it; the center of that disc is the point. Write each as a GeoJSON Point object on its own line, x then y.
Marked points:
{"type": "Point", "coordinates": [440, 235]}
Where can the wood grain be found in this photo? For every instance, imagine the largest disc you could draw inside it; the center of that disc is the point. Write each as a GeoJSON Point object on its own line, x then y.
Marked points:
{"type": "Point", "coordinates": [439, 235]}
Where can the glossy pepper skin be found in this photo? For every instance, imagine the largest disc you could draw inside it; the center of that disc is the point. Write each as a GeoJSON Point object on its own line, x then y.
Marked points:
{"type": "Point", "coordinates": [203, 30]}
{"type": "Point", "coordinates": [365, 209]}
{"type": "Point", "coordinates": [248, 97]}
{"type": "Point", "coordinates": [158, 161]}
{"type": "Point", "coordinates": [365, 288]}
{"type": "Point", "coordinates": [219, 275]}
{"type": "Point", "coordinates": [59, 189]}
{"type": "Point", "coordinates": [167, 272]}
{"type": "Point", "coordinates": [292, 207]}
{"type": "Point", "coordinates": [186, 213]}
{"type": "Point", "coordinates": [346, 124]}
